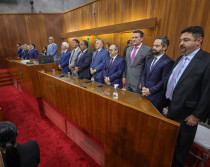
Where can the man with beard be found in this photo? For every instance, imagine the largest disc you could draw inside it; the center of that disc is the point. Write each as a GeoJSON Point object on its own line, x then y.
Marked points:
{"type": "Point", "coordinates": [156, 72]}
{"type": "Point", "coordinates": [187, 90]}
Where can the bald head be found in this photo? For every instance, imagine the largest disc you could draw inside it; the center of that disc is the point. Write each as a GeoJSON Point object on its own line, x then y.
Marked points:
{"type": "Point", "coordinates": [51, 40]}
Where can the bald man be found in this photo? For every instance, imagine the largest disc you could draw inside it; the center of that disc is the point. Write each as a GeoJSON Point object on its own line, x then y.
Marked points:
{"type": "Point", "coordinates": [52, 49]}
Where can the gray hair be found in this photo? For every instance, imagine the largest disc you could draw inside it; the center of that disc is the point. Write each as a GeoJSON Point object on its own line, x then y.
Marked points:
{"type": "Point", "coordinates": [101, 41]}
{"type": "Point", "coordinates": [65, 44]}
{"type": "Point", "coordinates": [116, 47]}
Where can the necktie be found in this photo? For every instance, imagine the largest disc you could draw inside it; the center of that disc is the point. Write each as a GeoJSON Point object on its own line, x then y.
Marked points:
{"type": "Point", "coordinates": [133, 54]}
{"type": "Point", "coordinates": [110, 64]}
{"type": "Point", "coordinates": [95, 55]}
{"type": "Point", "coordinates": [153, 63]}
{"type": "Point", "coordinates": [175, 74]}
{"type": "Point", "coordinates": [71, 56]}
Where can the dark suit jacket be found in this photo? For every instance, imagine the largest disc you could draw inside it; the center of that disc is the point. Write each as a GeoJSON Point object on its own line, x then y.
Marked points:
{"type": "Point", "coordinates": [116, 70]}
{"type": "Point", "coordinates": [29, 154]}
{"type": "Point", "coordinates": [99, 62]}
{"type": "Point", "coordinates": [20, 52]}
{"type": "Point", "coordinates": [191, 94]}
{"type": "Point", "coordinates": [64, 61]}
{"type": "Point", "coordinates": [32, 54]}
{"type": "Point", "coordinates": [25, 54]}
{"type": "Point", "coordinates": [84, 65]}
{"type": "Point", "coordinates": [155, 79]}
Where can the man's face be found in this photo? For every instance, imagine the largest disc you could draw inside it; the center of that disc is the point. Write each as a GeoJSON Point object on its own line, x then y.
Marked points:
{"type": "Point", "coordinates": [50, 40]}
{"type": "Point", "coordinates": [157, 48]}
{"type": "Point", "coordinates": [74, 44]}
{"type": "Point", "coordinates": [112, 51]}
{"type": "Point", "coordinates": [130, 43]}
{"type": "Point", "coordinates": [63, 47]}
{"type": "Point", "coordinates": [188, 43]}
{"type": "Point", "coordinates": [98, 45]}
{"type": "Point", "coordinates": [82, 46]}
{"type": "Point", "coordinates": [136, 39]}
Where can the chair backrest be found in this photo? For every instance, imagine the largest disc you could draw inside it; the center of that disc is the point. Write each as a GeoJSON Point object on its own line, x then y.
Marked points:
{"type": "Point", "coordinates": [202, 136]}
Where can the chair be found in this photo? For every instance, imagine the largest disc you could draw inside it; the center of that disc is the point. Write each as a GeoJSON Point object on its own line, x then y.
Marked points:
{"type": "Point", "coordinates": [1, 115]}
{"type": "Point", "coordinates": [202, 139]}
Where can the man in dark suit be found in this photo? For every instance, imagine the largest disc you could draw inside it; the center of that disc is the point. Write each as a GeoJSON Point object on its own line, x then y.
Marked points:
{"type": "Point", "coordinates": [135, 60]}
{"type": "Point", "coordinates": [98, 61]}
{"type": "Point", "coordinates": [129, 43]}
{"type": "Point", "coordinates": [24, 52]}
{"type": "Point", "coordinates": [114, 67]}
{"type": "Point", "coordinates": [82, 62]}
{"type": "Point", "coordinates": [64, 59]}
{"type": "Point", "coordinates": [32, 53]}
{"type": "Point", "coordinates": [156, 72]}
{"type": "Point", "coordinates": [187, 90]}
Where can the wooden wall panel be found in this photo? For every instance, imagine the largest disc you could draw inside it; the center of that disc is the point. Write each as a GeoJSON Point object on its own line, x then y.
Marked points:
{"type": "Point", "coordinates": [172, 17]}
{"type": "Point", "coordinates": [27, 28]}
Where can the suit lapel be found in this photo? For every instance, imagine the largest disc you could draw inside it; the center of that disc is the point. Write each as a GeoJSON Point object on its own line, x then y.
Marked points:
{"type": "Point", "coordinates": [129, 55]}
{"type": "Point", "coordinates": [189, 68]}
{"type": "Point", "coordinates": [114, 62]}
{"type": "Point", "coordinates": [138, 54]}
{"type": "Point", "coordinates": [158, 62]}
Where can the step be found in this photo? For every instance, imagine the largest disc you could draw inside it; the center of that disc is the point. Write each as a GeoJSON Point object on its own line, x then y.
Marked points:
{"type": "Point", "coordinates": [4, 73]}
{"type": "Point", "coordinates": [3, 70]}
{"type": "Point", "coordinates": [6, 84]}
{"type": "Point", "coordinates": [4, 76]}
{"type": "Point", "coordinates": [5, 80]}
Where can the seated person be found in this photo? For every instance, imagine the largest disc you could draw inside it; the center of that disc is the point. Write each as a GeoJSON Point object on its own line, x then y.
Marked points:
{"type": "Point", "coordinates": [82, 62]}
{"type": "Point", "coordinates": [114, 67]}
{"type": "Point", "coordinates": [32, 52]}
{"type": "Point", "coordinates": [64, 59]}
{"type": "Point", "coordinates": [14, 154]}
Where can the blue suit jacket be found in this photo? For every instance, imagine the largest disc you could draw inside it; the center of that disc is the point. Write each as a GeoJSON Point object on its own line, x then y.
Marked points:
{"type": "Point", "coordinates": [25, 54]}
{"type": "Point", "coordinates": [99, 62]}
{"type": "Point", "coordinates": [84, 64]}
{"type": "Point", "coordinates": [116, 70]}
{"type": "Point", "coordinates": [52, 50]}
{"type": "Point", "coordinates": [20, 52]}
{"type": "Point", "coordinates": [64, 61]}
{"type": "Point", "coordinates": [32, 54]}
{"type": "Point", "coordinates": [155, 79]}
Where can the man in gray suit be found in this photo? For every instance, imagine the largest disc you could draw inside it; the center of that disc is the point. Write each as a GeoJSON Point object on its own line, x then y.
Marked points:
{"type": "Point", "coordinates": [136, 57]}
{"type": "Point", "coordinates": [74, 54]}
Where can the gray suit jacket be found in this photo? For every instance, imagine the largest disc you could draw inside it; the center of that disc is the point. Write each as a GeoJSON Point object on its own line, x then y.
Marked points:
{"type": "Point", "coordinates": [73, 56]}
{"type": "Point", "coordinates": [133, 72]}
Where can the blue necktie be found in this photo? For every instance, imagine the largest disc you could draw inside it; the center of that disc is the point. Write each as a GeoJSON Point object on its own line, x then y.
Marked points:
{"type": "Point", "coordinates": [153, 64]}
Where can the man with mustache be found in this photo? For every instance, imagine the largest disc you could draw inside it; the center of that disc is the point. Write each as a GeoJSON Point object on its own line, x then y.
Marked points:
{"type": "Point", "coordinates": [156, 72]}
{"type": "Point", "coordinates": [187, 90]}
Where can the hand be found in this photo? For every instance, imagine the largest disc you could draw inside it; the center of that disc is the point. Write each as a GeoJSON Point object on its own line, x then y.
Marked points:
{"type": "Point", "coordinates": [139, 86]}
{"type": "Point", "coordinates": [76, 69]}
{"type": "Point", "coordinates": [145, 91]}
{"type": "Point", "coordinates": [124, 80]}
{"type": "Point", "coordinates": [92, 71]}
{"type": "Point", "coordinates": [106, 79]}
{"type": "Point", "coordinates": [191, 120]}
{"type": "Point", "coordinates": [70, 68]}
{"type": "Point", "coordinates": [108, 83]}
{"type": "Point", "coordinates": [59, 67]}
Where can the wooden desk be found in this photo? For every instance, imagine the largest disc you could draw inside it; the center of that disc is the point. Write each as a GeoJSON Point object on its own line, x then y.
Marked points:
{"type": "Point", "coordinates": [133, 132]}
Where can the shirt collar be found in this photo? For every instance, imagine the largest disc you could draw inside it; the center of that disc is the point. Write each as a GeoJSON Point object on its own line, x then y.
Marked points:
{"type": "Point", "coordinates": [99, 50]}
{"type": "Point", "coordinates": [113, 57]}
{"type": "Point", "coordinates": [191, 55]}
{"type": "Point", "coordinates": [84, 51]}
{"type": "Point", "coordinates": [158, 57]}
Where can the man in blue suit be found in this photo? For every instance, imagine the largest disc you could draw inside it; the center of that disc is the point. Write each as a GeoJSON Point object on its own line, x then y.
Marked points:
{"type": "Point", "coordinates": [114, 67]}
{"type": "Point", "coordinates": [32, 53]}
{"type": "Point", "coordinates": [19, 50]}
{"type": "Point", "coordinates": [52, 49]}
{"type": "Point", "coordinates": [98, 61]}
{"type": "Point", "coordinates": [82, 62]}
{"type": "Point", "coordinates": [24, 52]}
{"type": "Point", "coordinates": [64, 59]}
{"type": "Point", "coordinates": [156, 72]}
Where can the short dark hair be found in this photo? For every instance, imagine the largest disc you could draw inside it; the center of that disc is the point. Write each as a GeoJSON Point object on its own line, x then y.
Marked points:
{"type": "Point", "coordinates": [197, 31]}
{"type": "Point", "coordinates": [165, 40]}
{"type": "Point", "coordinates": [75, 40]}
{"type": "Point", "coordinates": [33, 45]}
{"type": "Point", "coordinates": [85, 43]}
{"type": "Point", "coordinates": [129, 41]}
{"type": "Point", "coordinates": [140, 32]}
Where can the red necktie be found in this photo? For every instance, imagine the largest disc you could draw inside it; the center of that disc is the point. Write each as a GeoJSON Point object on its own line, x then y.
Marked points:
{"type": "Point", "coordinates": [95, 56]}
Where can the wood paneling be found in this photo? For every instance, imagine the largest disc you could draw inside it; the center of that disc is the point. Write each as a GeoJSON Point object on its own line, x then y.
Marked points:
{"type": "Point", "coordinates": [27, 28]}
{"type": "Point", "coordinates": [172, 17]}
{"type": "Point", "coordinates": [133, 132]}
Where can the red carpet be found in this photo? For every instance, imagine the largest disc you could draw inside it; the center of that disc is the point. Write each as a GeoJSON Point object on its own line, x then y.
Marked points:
{"type": "Point", "coordinates": [56, 148]}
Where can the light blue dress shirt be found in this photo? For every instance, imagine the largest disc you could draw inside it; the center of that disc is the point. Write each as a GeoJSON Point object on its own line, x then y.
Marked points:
{"type": "Point", "coordinates": [188, 60]}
